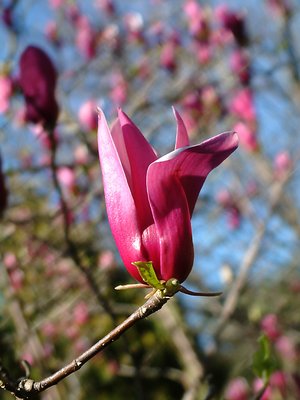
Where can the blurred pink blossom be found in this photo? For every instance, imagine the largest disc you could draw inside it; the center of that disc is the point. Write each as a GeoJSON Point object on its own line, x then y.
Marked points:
{"type": "Point", "coordinates": [10, 260]}
{"type": "Point", "coordinates": [197, 20]}
{"type": "Point", "coordinates": [204, 52]}
{"type": "Point", "coordinates": [229, 202]}
{"type": "Point", "coordinates": [16, 277]}
{"type": "Point", "coordinates": [106, 259]}
{"type": "Point", "coordinates": [134, 25]}
{"type": "Point", "coordinates": [56, 3]}
{"type": "Point", "coordinates": [270, 326]}
{"type": "Point", "coordinates": [278, 380]}
{"type": "Point", "coordinates": [72, 331]}
{"type": "Point", "coordinates": [7, 16]}
{"type": "Point", "coordinates": [27, 356]}
{"type": "Point", "coordinates": [66, 177]}
{"type": "Point", "coordinates": [234, 22]}
{"type": "Point", "coordinates": [106, 5]}
{"type": "Point", "coordinates": [279, 7]}
{"type": "Point", "coordinates": [49, 329]}
{"type": "Point", "coordinates": [286, 348]}
{"type": "Point", "coordinates": [51, 31]}
{"type": "Point", "coordinates": [168, 56]}
{"type": "Point", "coordinates": [48, 350]}
{"type": "Point", "coordinates": [81, 154]}
{"type": "Point", "coordinates": [6, 91]}
{"type": "Point", "coordinates": [119, 89]}
{"type": "Point", "coordinates": [85, 37]}
{"type": "Point", "coordinates": [81, 313]}
{"type": "Point", "coordinates": [282, 164]}
{"type": "Point", "coordinates": [37, 80]}
{"type": "Point", "coordinates": [239, 62]}
{"type": "Point", "coordinates": [242, 105]}
{"type": "Point", "coordinates": [247, 136]}
{"type": "Point", "coordinates": [258, 384]}
{"type": "Point", "coordinates": [88, 115]}
{"type": "Point", "coordinates": [237, 389]}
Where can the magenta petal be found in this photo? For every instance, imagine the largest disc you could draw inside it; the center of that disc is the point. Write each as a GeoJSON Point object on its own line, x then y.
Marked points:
{"type": "Point", "coordinates": [118, 138]}
{"type": "Point", "coordinates": [182, 137]}
{"type": "Point", "coordinates": [172, 221]}
{"type": "Point", "coordinates": [120, 205]}
{"type": "Point", "coordinates": [140, 156]}
{"type": "Point", "coordinates": [193, 164]}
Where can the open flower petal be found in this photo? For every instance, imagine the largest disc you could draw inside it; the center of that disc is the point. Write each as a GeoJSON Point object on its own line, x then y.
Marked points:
{"type": "Point", "coordinates": [150, 201]}
{"type": "Point", "coordinates": [172, 221]}
{"type": "Point", "coordinates": [140, 155]}
{"type": "Point", "coordinates": [193, 164]}
{"type": "Point", "coordinates": [182, 137]}
{"type": "Point", "coordinates": [120, 205]}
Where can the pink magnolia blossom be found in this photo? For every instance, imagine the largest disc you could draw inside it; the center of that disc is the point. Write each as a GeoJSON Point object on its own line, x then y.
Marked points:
{"type": "Point", "coordinates": [10, 260]}
{"type": "Point", "coordinates": [6, 90]}
{"type": "Point", "coordinates": [228, 201]}
{"type": "Point", "coordinates": [237, 390]}
{"type": "Point", "coordinates": [278, 380]}
{"type": "Point", "coordinates": [134, 25]}
{"type": "Point", "coordinates": [16, 278]}
{"type": "Point", "coordinates": [37, 80]}
{"type": "Point", "coordinates": [150, 200]}
{"type": "Point", "coordinates": [81, 313]}
{"type": "Point", "coordinates": [168, 56]}
{"type": "Point", "coordinates": [270, 326]}
{"type": "Point", "coordinates": [286, 348]}
{"type": "Point", "coordinates": [81, 154]}
{"type": "Point", "coordinates": [247, 136]}
{"type": "Point", "coordinates": [66, 177]}
{"type": "Point", "coordinates": [88, 116]}
{"type": "Point", "coordinates": [234, 22]}
{"type": "Point", "coordinates": [51, 31]}
{"type": "Point", "coordinates": [197, 20]}
{"type": "Point", "coordinates": [119, 89]}
{"type": "Point", "coordinates": [7, 16]}
{"type": "Point", "coordinates": [239, 62]}
{"type": "Point", "coordinates": [280, 7]}
{"type": "Point", "coordinates": [242, 105]}
{"type": "Point", "coordinates": [106, 259]}
{"type": "Point", "coordinates": [258, 384]}
{"type": "Point", "coordinates": [56, 3]}
{"type": "Point", "coordinates": [282, 164]}
{"type": "Point", "coordinates": [85, 37]}
{"type": "Point", "coordinates": [204, 52]}
{"type": "Point", "coordinates": [107, 6]}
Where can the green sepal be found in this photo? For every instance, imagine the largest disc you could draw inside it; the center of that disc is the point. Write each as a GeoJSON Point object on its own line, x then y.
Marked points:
{"type": "Point", "coordinates": [148, 274]}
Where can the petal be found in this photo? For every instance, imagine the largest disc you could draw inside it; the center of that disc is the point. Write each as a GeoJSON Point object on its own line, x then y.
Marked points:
{"type": "Point", "coordinates": [193, 164]}
{"type": "Point", "coordinates": [118, 138]}
{"type": "Point", "coordinates": [120, 205]}
{"type": "Point", "coordinates": [182, 137]}
{"type": "Point", "coordinates": [140, 155]}
{"type": "Point", "coordinates": [172, 221]}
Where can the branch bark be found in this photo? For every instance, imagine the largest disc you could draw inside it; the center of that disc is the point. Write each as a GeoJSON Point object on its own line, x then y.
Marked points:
{"type": "Point", "coordinates": [26, 388]}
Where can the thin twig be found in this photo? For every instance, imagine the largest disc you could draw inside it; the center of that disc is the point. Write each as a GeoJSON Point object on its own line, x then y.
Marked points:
{"type": "Point", "coordinates": [26, 388]}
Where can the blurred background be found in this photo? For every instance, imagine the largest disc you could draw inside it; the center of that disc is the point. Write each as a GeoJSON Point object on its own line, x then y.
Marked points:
{"type": "Point", "coordinates": [224, 65]}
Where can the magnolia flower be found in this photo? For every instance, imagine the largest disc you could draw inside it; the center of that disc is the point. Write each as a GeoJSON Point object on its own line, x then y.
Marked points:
{"type": "Point", "coordinates": [37, 80]}
{"type": "Point", "coordinates": [150, 199]}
